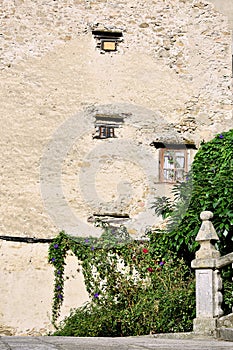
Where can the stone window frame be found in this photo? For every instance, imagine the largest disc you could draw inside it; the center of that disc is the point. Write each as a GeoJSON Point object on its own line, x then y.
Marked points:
{"type": "Point", "coordinates": [171, 166]}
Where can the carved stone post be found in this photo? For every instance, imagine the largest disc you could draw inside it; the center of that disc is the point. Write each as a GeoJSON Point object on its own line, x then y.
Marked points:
{"type": "Point", "coordinates": [208, 280]}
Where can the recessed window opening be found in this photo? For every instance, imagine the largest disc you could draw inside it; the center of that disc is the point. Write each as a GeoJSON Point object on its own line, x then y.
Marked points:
{"type": "Point", "coordinates": [106, 131]}
{"type": "Point", "coordinates": [105, 126]}
{"type": "Point", "coordinates": [107, 40]}
{"type": "Point", "coordinates": [159, 144]}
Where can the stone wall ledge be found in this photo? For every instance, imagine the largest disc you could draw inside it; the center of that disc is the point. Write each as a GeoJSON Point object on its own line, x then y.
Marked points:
{"type": "Point", "coordinates": [224, 260]}
{"type": "Point", "coordinates": [204, 263]}
{"type": "Point", "coordinates": [213, 263]}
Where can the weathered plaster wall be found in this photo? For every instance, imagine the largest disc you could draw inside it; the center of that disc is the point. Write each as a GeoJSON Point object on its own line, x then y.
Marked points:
{"type": "Point", "coordinates": [27, 289]}
{"type": "Point", "coordinates": [172, 73]}
{"type": "Point", "coordinates": [175, 61]}
{"type": "Point", "coordinates": [225, 7]}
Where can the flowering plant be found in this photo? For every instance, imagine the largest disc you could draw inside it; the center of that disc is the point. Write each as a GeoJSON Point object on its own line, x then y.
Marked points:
{"type": "Point", "coordinates": [125, 300]}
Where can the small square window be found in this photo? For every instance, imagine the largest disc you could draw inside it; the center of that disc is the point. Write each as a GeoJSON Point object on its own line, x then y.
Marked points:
{"type": "Point", "coordinates": [106, 132]}
{"type": "Point", "coordinates": [106, 125]}
{"type": "Point", "coordinates": [106, 40]}
{"type": "Point", "coordinates": [173, 165]}
{"type": "Point", "coordinates": [108, 45]}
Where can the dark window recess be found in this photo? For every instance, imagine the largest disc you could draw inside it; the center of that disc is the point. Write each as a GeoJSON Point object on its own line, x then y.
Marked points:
{"type": "Point", "coordinates": [109, 218]}
{"type": "Point", "coordinates": [107, 40]}
{"type": "Point", "coordinates": [105, 126]}
{"type": "Point", "coordinates": [157, 144]}
{"type": "Point", "coordinates": [106, 132]}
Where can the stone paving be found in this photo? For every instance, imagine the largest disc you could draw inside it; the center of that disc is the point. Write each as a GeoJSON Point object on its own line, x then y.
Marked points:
{"type": "Point", "coordinates": [134, 343]}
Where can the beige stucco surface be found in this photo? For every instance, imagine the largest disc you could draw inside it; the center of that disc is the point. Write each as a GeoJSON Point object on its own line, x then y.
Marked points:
{"type": "Point", "coordinates": [27, 289]}
{"type": "Point", "coordinates": [177, 68]}
{"type": "Point", "coordinates": [225, 7]}
{"type": "Point", "coordinates": [171, 78]}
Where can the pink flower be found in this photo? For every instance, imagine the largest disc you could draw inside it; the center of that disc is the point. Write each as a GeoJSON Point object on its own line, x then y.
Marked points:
{"type": "Point", "coordinates": [150, 269]}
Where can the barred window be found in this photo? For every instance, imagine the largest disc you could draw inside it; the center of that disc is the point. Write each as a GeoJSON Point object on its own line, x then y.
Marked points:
{"type": "Point", "coordinates": [106, 132]}
{"type": "Point", "coordinates": [106, 125]}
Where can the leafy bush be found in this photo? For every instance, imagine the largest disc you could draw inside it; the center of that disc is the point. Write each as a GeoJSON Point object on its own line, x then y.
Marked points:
{"type": "Point", "coordinates": [162, 302]}
{"type": "Point", "coordinates": [132, 290]}
{"type": "Point", "coordinates": [208, 186]}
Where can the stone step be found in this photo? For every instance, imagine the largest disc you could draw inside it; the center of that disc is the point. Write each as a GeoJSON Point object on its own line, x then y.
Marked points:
{"type": "Point", "coordinates": [225, 334]}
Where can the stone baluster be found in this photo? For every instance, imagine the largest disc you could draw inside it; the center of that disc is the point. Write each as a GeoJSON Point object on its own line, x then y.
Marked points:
{"type": "Point", "coordinates": [208, 280]}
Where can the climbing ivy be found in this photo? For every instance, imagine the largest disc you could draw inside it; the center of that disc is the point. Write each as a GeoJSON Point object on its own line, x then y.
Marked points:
{"type": "Point", "coordinates": [132, 291]}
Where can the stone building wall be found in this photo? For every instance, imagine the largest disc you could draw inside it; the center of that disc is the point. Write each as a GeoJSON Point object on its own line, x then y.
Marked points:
{"type": "Point", "coordinates": [225, 7]}
{"type": "Point", "coordinates": [27, 289]}
{"type": "Point", "coordinates": [170, 81]}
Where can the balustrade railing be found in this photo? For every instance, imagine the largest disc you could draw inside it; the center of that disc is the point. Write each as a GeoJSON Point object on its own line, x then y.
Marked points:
{"type": "Point", "coordinates": [207, 264]}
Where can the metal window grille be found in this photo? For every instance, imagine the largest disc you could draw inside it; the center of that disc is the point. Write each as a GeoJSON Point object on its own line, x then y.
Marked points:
{"type": "Point", "coordinates": [106, 132]}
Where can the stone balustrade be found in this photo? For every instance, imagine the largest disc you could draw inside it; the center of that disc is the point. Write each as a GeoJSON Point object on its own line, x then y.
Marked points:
{"type": "Point", "coordinates": [208, 280]}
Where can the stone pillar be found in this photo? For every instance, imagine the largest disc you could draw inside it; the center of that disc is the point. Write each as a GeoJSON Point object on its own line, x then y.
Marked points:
{"type": "Point", "coordinates": [208, 280]}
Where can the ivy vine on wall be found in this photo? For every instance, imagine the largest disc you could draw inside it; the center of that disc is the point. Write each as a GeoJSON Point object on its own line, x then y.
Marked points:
{"type": "Point", "coordinates": [128, 283]}
{"type": "Point", "coordinates": [102, 261]}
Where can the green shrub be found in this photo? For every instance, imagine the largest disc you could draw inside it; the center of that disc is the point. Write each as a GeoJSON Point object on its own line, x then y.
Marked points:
{"type": "Point", "coordinates": [145, 295]}
{"type": "Point", "coordinates": [208, 186]}
{"type": "Point", "coordinates": [163, 301]}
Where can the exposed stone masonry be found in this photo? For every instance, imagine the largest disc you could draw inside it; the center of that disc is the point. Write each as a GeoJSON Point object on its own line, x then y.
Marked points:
{"type": "Point", "coordinates": [175, 60]}
{"type": "Point", "coordinates": [187, 36]}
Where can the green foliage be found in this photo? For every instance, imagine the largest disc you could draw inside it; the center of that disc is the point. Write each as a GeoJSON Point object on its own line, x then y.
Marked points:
{"type": "Point", "coordinates": [137, 288]}
{"type": "Point", "coordinates": [163, 206]}
{"type": "Point", "coordinates": [131, 292]}
{"type": "Point", "coordinates": [227, 291]}
{"type": "Point", "coordinates": [208, 186]}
